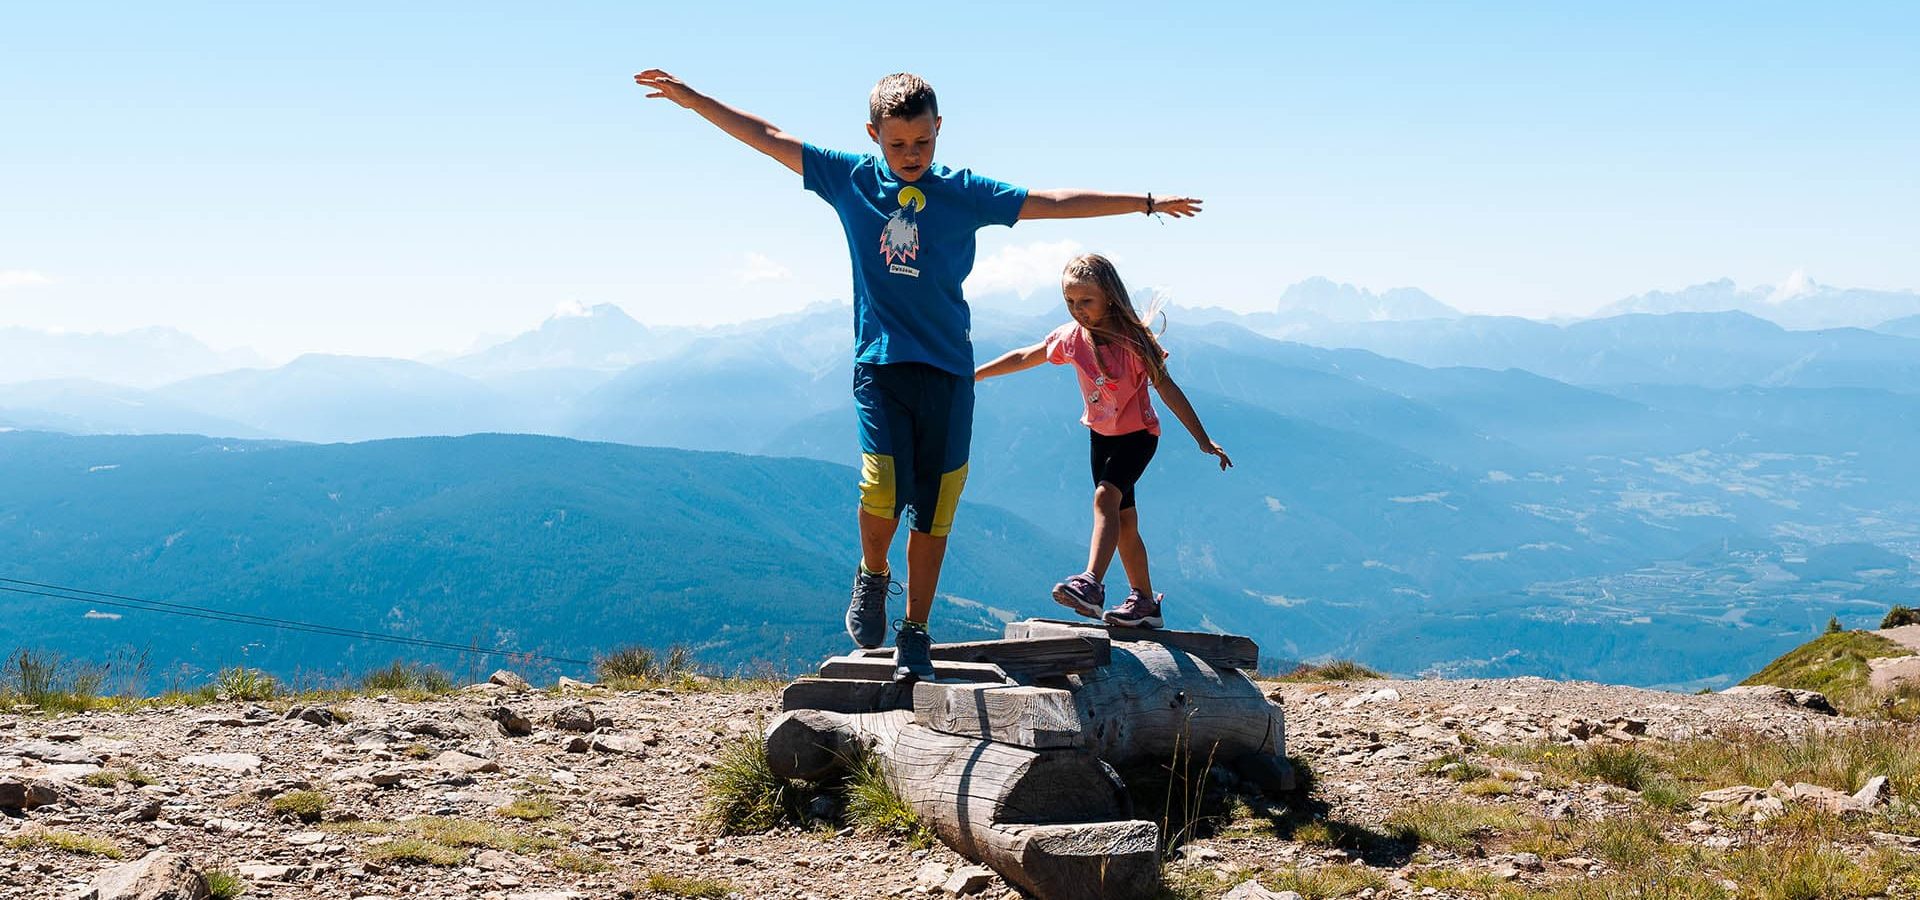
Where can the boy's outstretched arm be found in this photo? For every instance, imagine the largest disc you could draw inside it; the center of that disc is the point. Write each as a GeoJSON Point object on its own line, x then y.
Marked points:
{"type": "Point", "coordinates": [1072, 203]}
{"type": "Point", "coordinates": [751, 130]}
{"type": "Point", "coordinates": [1183, 410]}
{"type": "Point", "coordinates": [1012, 361]}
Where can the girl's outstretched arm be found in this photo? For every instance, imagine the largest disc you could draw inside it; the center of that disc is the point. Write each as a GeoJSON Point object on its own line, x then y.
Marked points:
{"type": "Point", "coordinates": [1012, 361]}
{"type": "Point", "coordinates": [1183, 410]}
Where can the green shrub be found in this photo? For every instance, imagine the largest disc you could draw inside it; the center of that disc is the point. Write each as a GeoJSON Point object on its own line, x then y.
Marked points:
{"type": "Point", "coordinates": [1621, 766]}
{"type": "Point", "coordinates": [224, 885]}
{"type": "Point", "coordinates": [52, 682]}
{"type": "Point", "coordinates": [743, 794]}
{"type": "Point", "coordinates": [1336, 670]}
{"type": "Point", "coordinates": [690, 888]}
{"type": "Point", "coordinates": [242, 683]}
{"type": "Point", "coordinates": [1900, 616]}
{"type": "Point", "coordinates": [407, 678]}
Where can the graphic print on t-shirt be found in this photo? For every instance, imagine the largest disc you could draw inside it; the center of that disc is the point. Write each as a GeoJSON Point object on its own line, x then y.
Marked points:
{"type": "Point", "coordinates": [900, 237]}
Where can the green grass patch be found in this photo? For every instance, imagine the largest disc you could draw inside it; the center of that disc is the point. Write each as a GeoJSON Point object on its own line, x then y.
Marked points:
{"type": "Point", "coordinates": [106, 778]}
{"type": "Point", "coordinates": [1835, 665]}
{"type": "Point", "coordinates": [1449, 825]}
{"type": "Point", "coordinates": [307, 806]}
{"type": "Point", "coordinates": [874, 808]}
{"type": "Point", "coordinates": [582, 862]}
{"type": "Point", "coordinates": [1336, 670]}
{"type": "Point", "coordinates": [681, 886]}
{"type": "Point", "coordinates": [449, 833]}
{"type": "Point", "coordinates": [407, 679]}
{"type": "Point", "coordinates": [1326, 882]}
{"type": "Point", "coordinates": [530, 809]}
{"type": "Point", "coordinates": [66, 842]}
{"type": "Point", "coordinates": [242, 683]}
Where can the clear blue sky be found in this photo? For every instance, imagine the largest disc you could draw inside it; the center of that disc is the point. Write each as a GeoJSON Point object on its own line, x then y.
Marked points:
{"type": "Point", "coordinates": [397, 178]}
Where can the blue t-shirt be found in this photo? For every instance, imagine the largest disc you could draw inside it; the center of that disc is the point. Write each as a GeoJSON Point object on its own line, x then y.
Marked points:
{"type": "Point", "coordinates": [912, 245]}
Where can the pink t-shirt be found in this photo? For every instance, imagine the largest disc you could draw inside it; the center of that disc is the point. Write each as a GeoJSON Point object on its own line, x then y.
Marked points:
{"type": "Point", "coordinates": [1118, 403]}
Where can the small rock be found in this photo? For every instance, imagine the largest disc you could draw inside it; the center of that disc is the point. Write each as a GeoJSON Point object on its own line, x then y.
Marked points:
{"type": "Point", "coordinates": [575, 717]}
{"type": "Point", "coordinates": [618, 743]}
{"type": "Point", "coordinates": [931, 874]}
{"type": "Point", "coordinates": [462, 762]}
{"type": "Point", "coordinates": [265, 872]}
{"type": "Point", "coordinates": [1873, 794]}
{"type": "Point", "coordinates": [244, 763]}
{"type": "Point", "coordinates": [1528, 861]}
{"type": "Point", "coordinates": [968, 880]}
{"type": "Point", "coordinates": [512, 724]}
{"type": "Point", "coordinates": [566, 685]}
{"type": "Point", "coordinates": [509, 680]}
{"type": "Point", "coordinates": [16, 793]}
{"type": "Point", "coordinates": [1252, 890]}
{"type": "Point", "coordinates": [493, 860]}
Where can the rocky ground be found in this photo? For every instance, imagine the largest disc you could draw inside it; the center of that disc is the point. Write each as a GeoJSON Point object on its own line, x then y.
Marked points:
{"type": "Point", "coordinates": [585, 792]}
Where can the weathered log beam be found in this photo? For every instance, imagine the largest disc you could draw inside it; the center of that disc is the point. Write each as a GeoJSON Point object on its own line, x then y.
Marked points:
{"type": "Point", "coordinates": [1031, 717]}
{"type": "Point", "coordinates": [1027, 658]}
{"type": "Point", "coordinates": [879, 668]}
{"type": "Point", "coordinates": [846, 695]}
{"type": "Point", "coordinates": [1227, 651]}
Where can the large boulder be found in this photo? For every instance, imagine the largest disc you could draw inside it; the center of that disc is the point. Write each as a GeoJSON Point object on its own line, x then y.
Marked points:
{"type": "Point", "coordinates": [156, 876]}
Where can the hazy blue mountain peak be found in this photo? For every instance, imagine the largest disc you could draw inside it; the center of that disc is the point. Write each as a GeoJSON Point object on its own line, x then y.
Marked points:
{"type": "Point", "coordinates": [1322, 298]}
{"type": "Point", "coordinates": [1799, 303]}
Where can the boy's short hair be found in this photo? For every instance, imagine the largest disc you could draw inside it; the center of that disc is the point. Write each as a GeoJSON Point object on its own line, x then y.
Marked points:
{"type": "Point", "coordinates": [901, 95]}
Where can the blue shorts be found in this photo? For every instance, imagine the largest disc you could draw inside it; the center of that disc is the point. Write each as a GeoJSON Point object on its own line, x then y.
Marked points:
{"type": "Point", "coordinates": [916, 424]}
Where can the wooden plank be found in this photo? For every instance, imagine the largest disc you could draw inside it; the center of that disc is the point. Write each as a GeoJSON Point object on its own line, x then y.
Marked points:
{"type": "Point", "coordinates": [1025, 658]}
{"type": "Point", "coordinates": [846, 695]}
{"type": "Point", "coordinates": [873, 668]}
{"type": "Point", "coordinates": [1033, 717]}
{"type": "Point", "coordinates": [1226, 651]}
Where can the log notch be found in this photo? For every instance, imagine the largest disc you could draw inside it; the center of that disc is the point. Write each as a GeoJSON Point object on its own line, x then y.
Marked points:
{"type": "Point", "coordinates": [1054, 821]}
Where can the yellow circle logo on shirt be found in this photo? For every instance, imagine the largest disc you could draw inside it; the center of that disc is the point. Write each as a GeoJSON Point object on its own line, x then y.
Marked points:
{"type": "Point", "coordinates": [911, 196]}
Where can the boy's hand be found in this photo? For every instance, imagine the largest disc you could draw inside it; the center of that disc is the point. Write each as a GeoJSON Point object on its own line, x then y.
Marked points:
{"type": "Point", "coordinates": [1212, 449]}
{"type": "Point", "coordinates": [665, 85]}
{"type": "Point", "coordinates": [1177, 207]}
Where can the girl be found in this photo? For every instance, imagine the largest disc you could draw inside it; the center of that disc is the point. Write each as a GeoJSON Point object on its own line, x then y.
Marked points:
{"type": "Point", "coordinates": [1115, 356]}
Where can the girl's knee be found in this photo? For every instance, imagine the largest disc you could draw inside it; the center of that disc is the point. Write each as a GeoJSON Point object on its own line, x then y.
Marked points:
{"type": "Point", "coordinates": [1106, 498]}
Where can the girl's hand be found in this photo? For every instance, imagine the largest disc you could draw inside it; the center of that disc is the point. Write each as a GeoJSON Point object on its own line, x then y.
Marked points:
{"type": "Point", "coordinates": [667, 86]}
{"type": "Point", "coordinates": [1212, 449]}
{"type": "Point", "coordinates": [1177, 207]}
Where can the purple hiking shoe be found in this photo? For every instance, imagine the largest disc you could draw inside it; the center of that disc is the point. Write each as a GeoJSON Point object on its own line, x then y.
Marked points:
{"type": "Point", "coordinates": [1139, 611]}
{"type": "Point", "coordinates": [1082, 594]}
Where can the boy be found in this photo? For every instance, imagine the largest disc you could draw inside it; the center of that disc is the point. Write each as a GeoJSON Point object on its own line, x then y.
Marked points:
{"type": "Point", "coordinates": [910, 228]}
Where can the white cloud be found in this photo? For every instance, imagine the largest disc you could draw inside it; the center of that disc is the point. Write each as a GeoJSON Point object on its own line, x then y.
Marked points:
{"type": "Point", "coordinates": [572, 309]}
{"type": "Point", "coordinates": [10, 278]}
{"type": "Point", "coordinates": [1022, 268]}
{"type": "Point", "coordinates": [761, 267]}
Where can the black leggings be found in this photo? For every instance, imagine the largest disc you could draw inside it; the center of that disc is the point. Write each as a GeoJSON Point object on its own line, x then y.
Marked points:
{"type": "Point", "coordinates": [1120, 460]}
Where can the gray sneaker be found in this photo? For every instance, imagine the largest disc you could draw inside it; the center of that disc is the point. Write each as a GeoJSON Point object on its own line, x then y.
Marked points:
{"type": "Point", "coordinates": [867, 611]}
{"type": "Point", "coordinates": [1139, 611]}
{"type": "Point", "coordinates": [912, 654]}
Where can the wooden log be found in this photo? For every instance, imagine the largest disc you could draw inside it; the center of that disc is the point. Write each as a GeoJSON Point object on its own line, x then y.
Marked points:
{"type": "Point", "coordinates": [1054, 821]}
{"type": "Point", "coordinates": [1094, 861]}
{"type": "Point", "coordinates": [1027, 658]}
{"type": "Point", "coordinates": [1153, 699]}
{"type": "Point", "coordinates": [872, 668]}
{"type": "Point", "coordinates": [1229, 651]}
{"type": "Point", "coordinates": [846, 695]}
{"type": "Point", "coordinates": [1031, 717]}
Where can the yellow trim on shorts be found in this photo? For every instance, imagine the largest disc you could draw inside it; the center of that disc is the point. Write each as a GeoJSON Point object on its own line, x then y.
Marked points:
{"type": "Point", "coordinates": [951, 484]}
{"type": "Point", "coordinates": [877, 490]}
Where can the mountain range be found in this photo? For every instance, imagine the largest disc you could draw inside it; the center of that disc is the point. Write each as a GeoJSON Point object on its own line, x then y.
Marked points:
{"type": "Point", "coordinates": [1652, 499]}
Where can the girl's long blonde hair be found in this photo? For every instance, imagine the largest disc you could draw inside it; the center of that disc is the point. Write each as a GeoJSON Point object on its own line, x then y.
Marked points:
{"type": "Point", "coordinates": [1122, 323]}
